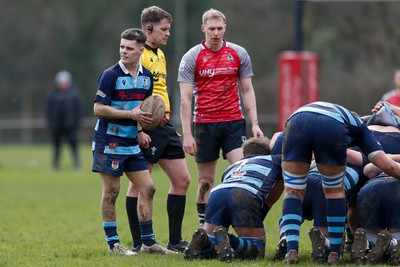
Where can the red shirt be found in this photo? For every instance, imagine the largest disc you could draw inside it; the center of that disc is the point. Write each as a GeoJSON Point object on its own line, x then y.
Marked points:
{"type": "Point", "coordinates": [216, 75]}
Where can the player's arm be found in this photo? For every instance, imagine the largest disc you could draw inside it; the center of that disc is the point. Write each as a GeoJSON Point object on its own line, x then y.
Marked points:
{"type": "Point", "coordinates": [189, 144]}
{"type": "Point", "coordinates": [106, 111]}
{"type": "Point", "coordinates": [250, 105]}
{"type": "Point", "coordinates": [381, 160]}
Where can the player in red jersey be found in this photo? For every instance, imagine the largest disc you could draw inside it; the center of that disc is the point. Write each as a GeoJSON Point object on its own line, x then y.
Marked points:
{"type": "Point", "coordinates": [212, 72]}
{"type": "Point", "coordinates": [393, 96]}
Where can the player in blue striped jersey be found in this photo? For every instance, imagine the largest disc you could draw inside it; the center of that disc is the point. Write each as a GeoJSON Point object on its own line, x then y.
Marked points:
{"type": "Point", "coordinates": [324, 130]}
{"type": "Point", "coordinates": [248, 189]}
{"type": "Point", "coordinates": [121, 89]}
{"type": "Point", "coordinates": [314, 208]}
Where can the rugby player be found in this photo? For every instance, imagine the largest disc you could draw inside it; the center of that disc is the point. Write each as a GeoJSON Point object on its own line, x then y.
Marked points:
{"type": "Point", "coordinates": [162, 144]}
{"type": "Point", "coordinates": [325, 130]}
{"type": "Point", "coordinates": [378, 217]}
{"type": "Point", "coordinates": [212, 72]}
{"type": "Point", "coordinates": [248, 190]}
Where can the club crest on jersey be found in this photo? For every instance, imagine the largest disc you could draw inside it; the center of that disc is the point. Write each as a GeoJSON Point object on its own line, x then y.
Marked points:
{"type": "Point", "coordinates": [151, 59]}
{"type": "Point", "coordinates": [205, 59]}
{"type": "Point", "coordinates": [123, 82]}
{"type": "Point", "coordinates": [230, 58]}
{"type": "Point", "coordinates": [115, 164]}
{"type": "Point", "coordinates": [144, 82]}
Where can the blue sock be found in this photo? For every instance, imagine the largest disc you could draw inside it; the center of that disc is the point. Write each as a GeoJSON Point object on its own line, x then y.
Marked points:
{"type": "Point", "coordinates": [336, 217]}
{"type": "Point", "coordinates": [146, 233]}
{"type": "Point", "coordinates": [281, 232]}
{"type": "Point", "coordinates": [245, 248]}
{"type": "Point", "coordinates": [110, 228]}
{"type": "Point", "coordinates": [291, 221]}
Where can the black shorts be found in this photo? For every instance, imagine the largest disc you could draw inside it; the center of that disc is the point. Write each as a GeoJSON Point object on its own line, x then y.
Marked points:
{"type": "Point", "coordinates": [211, 137]}
{"type": "Point", "coordinates": [165, 144]}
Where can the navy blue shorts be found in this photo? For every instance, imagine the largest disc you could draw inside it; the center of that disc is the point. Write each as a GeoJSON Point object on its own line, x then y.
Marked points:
{"type": "Point", "coordinates": [116, 165]}
{"type": "Point", "coordinates": [378, 204]}
{"type": "Point", "coordinates": [236, 207]}
{"type": "Point", "coordinates": [165, 144]}
{"type": "Point", "coordinates": [309, 132]}
{"type": "Point", "coordinates": [211, 137]}
{"type": "Point", "coordinates": [389, 141]}
{"type": "Point", "coordinates": [314, 203]}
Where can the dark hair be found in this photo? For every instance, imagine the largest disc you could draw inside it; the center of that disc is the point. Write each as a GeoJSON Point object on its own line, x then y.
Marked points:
{"type": "Point", "coordinates": [154, 14]}
{"type": "Point", "coordinates": [256, 146]}
{"type": "Point", "coordinates": [134, 34]}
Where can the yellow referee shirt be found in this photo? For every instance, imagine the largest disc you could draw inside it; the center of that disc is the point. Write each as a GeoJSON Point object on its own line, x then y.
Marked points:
{"type": "Point", "coordinates": [156, 63]}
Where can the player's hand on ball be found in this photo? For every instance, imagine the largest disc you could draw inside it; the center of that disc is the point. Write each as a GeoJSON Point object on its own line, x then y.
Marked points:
{"type": "Point", "coordinates": [377, 107]}
{"type": "Point", "coordinates": [141, 116]}
{"type": "Point", "coordinates": [189, 144]}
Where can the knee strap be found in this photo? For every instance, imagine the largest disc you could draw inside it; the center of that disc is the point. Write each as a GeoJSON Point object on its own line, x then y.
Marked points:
{"type": "Point", "coordinates": [296, 181]}
{"type": "Point", "coordinates": [333, 181]}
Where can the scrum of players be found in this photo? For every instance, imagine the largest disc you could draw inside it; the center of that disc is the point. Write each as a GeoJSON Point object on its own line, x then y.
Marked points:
{"type": "Point", "coordinates": [334, 167]}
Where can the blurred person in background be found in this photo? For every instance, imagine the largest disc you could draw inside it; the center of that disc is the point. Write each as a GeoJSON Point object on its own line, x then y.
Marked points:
{"type": "Point", "coordinates": [63, 113]}
{"type": "Point", "coordinates": [393, 96]}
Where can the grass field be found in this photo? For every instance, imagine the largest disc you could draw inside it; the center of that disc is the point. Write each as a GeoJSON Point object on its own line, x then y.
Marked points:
{"type": "Point", "coordinates": [53, 218]}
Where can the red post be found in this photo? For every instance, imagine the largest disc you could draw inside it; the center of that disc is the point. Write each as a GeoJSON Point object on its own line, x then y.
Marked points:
{"type": "Point", "coordinates": [298, 82]}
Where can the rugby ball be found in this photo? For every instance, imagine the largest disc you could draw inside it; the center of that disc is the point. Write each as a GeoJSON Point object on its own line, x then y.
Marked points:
{"type": "Point", "coordinates": [155, 105]}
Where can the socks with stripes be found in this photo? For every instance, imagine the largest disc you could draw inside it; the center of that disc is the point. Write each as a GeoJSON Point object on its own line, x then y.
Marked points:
{"type": "Point", "coordinates": [336, 217]}
{"type": "Point", "coordinates": [110, 228]}
{"type": "Point", "coordinates": [244, 248]}
{"type": "Point", "coordinates": [146, 232]}
{"type": "Point", "coordinates": [291, 221]}
{"type": "Point", "coordinates": [201, 210]}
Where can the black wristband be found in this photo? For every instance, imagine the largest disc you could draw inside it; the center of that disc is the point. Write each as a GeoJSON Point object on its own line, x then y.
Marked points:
{"type": "Point", "coordinates": [140, 131]}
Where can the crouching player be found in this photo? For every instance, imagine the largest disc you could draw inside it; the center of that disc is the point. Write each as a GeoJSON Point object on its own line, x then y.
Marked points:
{"type": "Point", "coordinates": [378, 217]}
{"type": "Point", "coordinates": [248, 190]}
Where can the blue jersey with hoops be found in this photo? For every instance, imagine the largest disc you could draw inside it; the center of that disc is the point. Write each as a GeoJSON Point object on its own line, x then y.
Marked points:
{"type": "Point", "coordinates": [256, 174]}
{"type": "Point", "coordinates": [119, 89]}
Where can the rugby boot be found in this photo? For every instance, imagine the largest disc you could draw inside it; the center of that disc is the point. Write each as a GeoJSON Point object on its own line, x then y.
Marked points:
{"type": "Point", "coordinates": [382, 244]}
{"type": "Point", "coordinates": [156, 249]}
{"type": "Point", "coordinates": [334, 259]}
{"type": "Point", "coordinates": [318, 245]}
{"type": "Point", "coordinates": [359, 247]}
{"type": "Point", "coordinates": [180, 247]}
{"type": "Point", "coordinates": [223, 247]}
{"type": "Point", "coordinates": [280, 251]}
{"type": "Point", "coordinates": [395, 255]}
{"type": "Point", "coordinates": [193, 249]}
{"type": "Point", "coordinates": [119, 249]}
{"type": "Point", "coordinates": [291, 257]}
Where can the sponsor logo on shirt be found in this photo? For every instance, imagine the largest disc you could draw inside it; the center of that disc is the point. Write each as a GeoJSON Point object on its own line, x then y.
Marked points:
{"type": "Point", "coordinates": [101, 93]}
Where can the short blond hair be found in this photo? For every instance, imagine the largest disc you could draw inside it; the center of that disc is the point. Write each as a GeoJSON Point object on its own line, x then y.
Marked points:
{"type": "Point", "coordinates": [213, 14]}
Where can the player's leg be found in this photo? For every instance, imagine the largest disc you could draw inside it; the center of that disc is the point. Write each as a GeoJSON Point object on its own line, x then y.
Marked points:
{"type": "Point", "coordinates": [106, 164]}
{"type": "Point", "coordinates": [142, 180]}
{"type": "Point", "coordinates": [296, 158]}
{"type": "Point", "coordinates": [178, 174]}
{"type": "Point", "coordinates": [203, 240]}
{"type": "Point", "coordinates": [250, 243]}
{"type": "Point", "coordinates": [208, 149]}
{"type": "Point", "coordinates": [206, 173]}
{"type": "Point", "coordinates": [370, 216]}
{"type": "Point", "coordinates": [131, 205]}
{"type": "Point", "coordinates": [332, 183]}
{"type": "Point", "coordinates": [295, 178]}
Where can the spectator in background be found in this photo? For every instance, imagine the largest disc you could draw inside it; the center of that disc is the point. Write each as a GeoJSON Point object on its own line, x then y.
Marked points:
{"type": "Point", "coordinates": [63, 112]}
{"type": "Point", "coordinates": [393, 96]}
